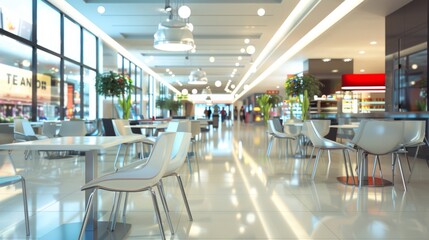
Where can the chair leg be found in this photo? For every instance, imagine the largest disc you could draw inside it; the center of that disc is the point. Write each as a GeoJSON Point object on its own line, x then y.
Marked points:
{"type": "Point", "coordinates": [401, 171]}
{"type": "Point", "coordinates": [164, 204]}
{"type": "Point", "coordinates": [414, 163]}
{"type": "Point", "coordinates": [185, 199]}
{"type": "Point", "coordinates": [124, 211]}
{"type": "Point", "coordinates": [115, 209]}
{"type": "Point", "coordinates": [270, 145]}
{"type": "Point", "coordinates": [157, 213]}
{"type": "Point", "coordinates": [117, 156]}
{"type": "Point", "coordinates": [24, 198]}
{"type": "Point", "coordinates": [86, 216]}
{"type": "Point", "coordinates": [309, 159]}
{"type": "Point", "coordinates": [316, 162]}
{"type": "Point", "coordinates": [346, 153]}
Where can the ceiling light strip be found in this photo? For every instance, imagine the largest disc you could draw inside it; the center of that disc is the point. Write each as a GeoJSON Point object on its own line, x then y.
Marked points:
{"type": "Point", "coordinates": [298, 14]}
{"type": "Point", "coordinates": [342, 10]}
{"type": "Point", "coordinates": [82, 20]}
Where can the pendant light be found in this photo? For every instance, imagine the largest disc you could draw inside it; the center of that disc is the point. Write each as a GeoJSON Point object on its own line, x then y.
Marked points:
{"type": "Point", "coordinates": [198, 77]}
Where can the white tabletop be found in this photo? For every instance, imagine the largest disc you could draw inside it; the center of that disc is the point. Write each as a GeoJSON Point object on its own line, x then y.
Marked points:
{"type": "Point", "coordinates": [345, 126]}
{"type": "Point", "coordinates": [150, 126]}
{"type": "Point", "coordinates": [86, 143]}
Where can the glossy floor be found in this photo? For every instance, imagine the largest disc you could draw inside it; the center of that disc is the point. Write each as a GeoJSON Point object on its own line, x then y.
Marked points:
{"type": "Point", "coordinates": [237, 193]}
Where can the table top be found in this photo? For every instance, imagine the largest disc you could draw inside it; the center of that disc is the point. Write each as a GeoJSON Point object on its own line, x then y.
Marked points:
{"type": "Point", "coordinates": [349, 126]}
{"type": "Point", "coordinates": [86, 143]}
{"type": "Point", "coordinates": [153, 126]}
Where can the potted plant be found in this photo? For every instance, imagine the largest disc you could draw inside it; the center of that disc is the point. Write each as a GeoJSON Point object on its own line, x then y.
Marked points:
{"type": "Point", "coordinates": [302, 87]}
{"type": "Point", "coordinates": [111, 84]}
{"type": "Point", "coordinates": [265, 105]}
{"type": "Point", "coordinates": [168, 104]}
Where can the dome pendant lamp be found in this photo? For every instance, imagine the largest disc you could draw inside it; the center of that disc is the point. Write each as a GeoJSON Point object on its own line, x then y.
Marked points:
{"type": "Point", "coordinates": [198, 77]}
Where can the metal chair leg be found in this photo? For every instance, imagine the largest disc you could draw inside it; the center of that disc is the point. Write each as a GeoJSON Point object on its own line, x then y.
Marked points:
{"type": "Point", "coordinates": [86, 216]}
{"type": "Point", "coordinates": [316, 162]}
{"type": "Point", "coordinates": [157, 213]}
{"type": "Point", "coordinates": [164, 204]}
{"type": "Point", "coordinates": [24, 198]}
{"type": "Point", "coordinates": [185, 199]}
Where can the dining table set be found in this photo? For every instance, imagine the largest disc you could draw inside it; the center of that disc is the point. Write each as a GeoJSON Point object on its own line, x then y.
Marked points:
{"type": "Point", "coordinates": [371, 139]}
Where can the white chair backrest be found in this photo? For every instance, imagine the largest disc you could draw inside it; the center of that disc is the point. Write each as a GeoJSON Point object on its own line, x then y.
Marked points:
{"type": "Point", "coordinates": [358, 131]}
{"type": "Point", "coordinates": [414, 132]}
{"type": "Point", "coordinates": [380, 137]}
{"type": "Point", "coordinates": [72, 128]}
{"type": "Point", "coordinates": [172, 126]}
{"type": "Point", "coordinates": [49, 129]}
{"type": "Point", "coordinates": [156, 164]}
{"type": "Point", "coordinates": [23, 126]}
{"type": "Point", "coordinates": [195, 128]}
{"type": "Point", "coordinates": [292, 130]}
{"type": "Point", "coordinates": [322, 126]}
{"type": "Point", "coordinates": [119, 127]}
{"type": "Point", "coordinates": [277, 125]}
{"type": "Point", "coordinates": [184, 126]}
{"type": "Point", "coordinates": [179, 152]}
{"type": "Point", "coordinates": [313, 134]}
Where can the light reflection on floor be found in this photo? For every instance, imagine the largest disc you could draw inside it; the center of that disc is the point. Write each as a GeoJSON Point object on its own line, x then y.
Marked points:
{"type": "Point", "coordinates": [238, 193]}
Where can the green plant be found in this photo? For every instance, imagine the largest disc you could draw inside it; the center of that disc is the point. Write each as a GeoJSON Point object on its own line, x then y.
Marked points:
{"type": "Point", "coordinates": [168, 104]}
{"type": "Point", "coordinates": [111, 84]}
{"type": "Point", "coordinates": [265, 105]}
{"type": "Point", "coordinates": [302, 87]}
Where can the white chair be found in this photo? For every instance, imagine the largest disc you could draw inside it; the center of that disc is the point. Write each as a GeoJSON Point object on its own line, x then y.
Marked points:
{"type": "Point", "coordinates": [274, 134]}
{"type": "Point", "coordinates": [380, 138]}
{"type": "Point", "coordinates": [322, 126]}
{"type": "Point", "coordinates": [322, 144]}
{"type": "Point", "coordinates": [72, 128]}
{"type": "Point", "coordinates": [414, 137]}
{"type": "Point", "coordinates": [23, 131]}
{"type": "Point", "coordinates": [136, 177]}
{"type": "Point", "coordinates": [50, 129]}
{"type": "Point", "coordinates": [119, 126]}
{"type": "Point", "coordinates": [9, 180]}
{"type": "Point", "coordinates": [178, 156]}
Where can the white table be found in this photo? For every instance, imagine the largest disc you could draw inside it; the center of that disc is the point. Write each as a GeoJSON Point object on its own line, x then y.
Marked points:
{"type": "Point", "coordinates": [91, 145]}
{"type": "Point", "coordinates": [151, 126]}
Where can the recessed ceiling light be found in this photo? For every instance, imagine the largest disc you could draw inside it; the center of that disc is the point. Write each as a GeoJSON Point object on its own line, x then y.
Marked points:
{"type": "Point", "coordinates": [211, 59]}
{"type": "Point", "coordinates": [373, 42]}
{"type": "Point", "coordinates": [232, 86]}
{"type": "Point", "coordinates": [101, 9]}
{"type": "Point", "coordinates": [218, 83]}
{"type": "Point", "coordinates": [240, 58]}
{"type": "Point", "coordinates": [185, 91]}
{"type": "Point", "coordinates": [347, 59]}
{"type": "Point", "coordinates": [194, 91]}
{"type": "Point", "coordinates": [261, 12]}
{"type": "Point", "coordinates": [250, 49]}
{"type": "Point", "coordinates": [326, 59]}
{"type": "Point", "coordinates": [362, 70]}
{"type": "Point", "coordinates": [246, 41]}
{"type": "Point", "coordinates": [414, 66]}
{"type": "Point", "coordinates": [361, 52]}
{"type": "Point", "coordinates": [237, 64]}
{"type": "Point", "coordinates": [184, 12]}
{"type": "Point", "coordinates": [334, 70]}
{"type": "Point", "coordinates": [242, 50]}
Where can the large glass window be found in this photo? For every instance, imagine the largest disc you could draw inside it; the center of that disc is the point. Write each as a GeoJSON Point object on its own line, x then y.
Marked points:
{"type": "Point", "coordinates": [72, 40]}
{"type": "Point", "coordinates": [16, 17]}
{"type": "Point", "coordinates": [89, 94]}
{"type": "Point", "coordinates": [89, 53]}
{"type": "Point", "coordinates": [48, 27]}
{"type": "Point", "coordinates": [48, 86]}
{"type": "Point", "coordinates": [72, 96]}
{"type": "Point", "coordinates": [16, 79]}
{"type": "Point", "coordinates": [411, 82]}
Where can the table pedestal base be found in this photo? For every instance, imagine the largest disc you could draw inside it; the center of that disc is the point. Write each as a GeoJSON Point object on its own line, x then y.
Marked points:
{"type": "Point", "coordinates": [71, 231]}
{"type": "Point", "coordinates": [370, 181]}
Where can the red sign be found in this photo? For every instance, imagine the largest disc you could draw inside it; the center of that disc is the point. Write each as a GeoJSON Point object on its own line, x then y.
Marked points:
{"type": "Point", "coordinates": [272, 92]}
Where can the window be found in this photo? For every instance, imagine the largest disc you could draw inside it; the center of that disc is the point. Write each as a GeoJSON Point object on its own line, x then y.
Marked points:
{"type": "Point", "coordinates": [89, 47]}
{"type": "Point", "coordinates": [48, 27]}
{"type": "Point", "coordinates": [71, 40]}
{"type": "Point", "coordinates": [90, 95]}
{"type": "Point", "coordinates": [16, 17]}
{"type": "Point", "coordinates": [48, 86]}
{"type": "Point", "coordinates": [72, 96]}
{"type": "Point", "coordinates": [16, 79]}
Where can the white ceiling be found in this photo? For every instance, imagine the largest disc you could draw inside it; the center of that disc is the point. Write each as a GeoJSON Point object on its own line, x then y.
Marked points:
{"type": "Point", "coordinates": [220, 27]}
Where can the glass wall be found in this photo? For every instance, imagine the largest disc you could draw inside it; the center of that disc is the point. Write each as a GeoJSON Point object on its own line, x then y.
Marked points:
{"type": "Point", "coordinates": [48, 86]}
{"type": "Point", "coordinates": [16, 79]}
{"type": "Point", "coordinates": [64, 86]}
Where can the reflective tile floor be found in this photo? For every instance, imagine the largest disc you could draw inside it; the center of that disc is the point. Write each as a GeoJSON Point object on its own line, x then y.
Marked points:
{"type": "Point", "coordinates": [237, 193]}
